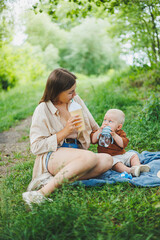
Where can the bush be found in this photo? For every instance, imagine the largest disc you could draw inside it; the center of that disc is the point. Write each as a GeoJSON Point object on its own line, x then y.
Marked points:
{"type": "Point", "coordinates": [91, 53]}
{"type": "Point", "coordinates": [144, 76]}
{"type": "Point", "coordinates": [8, 76]}
{"type": "Point", "coordinates": [51, 57]}
{"type": "Point", "coordinates": [151, 109]}
{"type": "Point", "coordinates": [19, 64]}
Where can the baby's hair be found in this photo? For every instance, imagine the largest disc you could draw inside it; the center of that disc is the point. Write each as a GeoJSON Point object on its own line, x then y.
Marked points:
{"type": "Point", "coordinates": [120, 114]}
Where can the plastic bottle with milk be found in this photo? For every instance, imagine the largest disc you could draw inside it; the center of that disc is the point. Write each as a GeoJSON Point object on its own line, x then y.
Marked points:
{"type": "Point", "coordinates": [76, 109]}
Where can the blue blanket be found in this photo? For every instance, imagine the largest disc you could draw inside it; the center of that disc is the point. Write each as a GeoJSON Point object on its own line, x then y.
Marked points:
{"type": "Point", "coordinates": [146, 179]}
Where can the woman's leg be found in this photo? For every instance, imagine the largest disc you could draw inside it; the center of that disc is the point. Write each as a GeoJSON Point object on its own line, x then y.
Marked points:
{"type": "Point", "coordinates": [105, 162]}
{"type": "Point", "coordinates": [68, 164]}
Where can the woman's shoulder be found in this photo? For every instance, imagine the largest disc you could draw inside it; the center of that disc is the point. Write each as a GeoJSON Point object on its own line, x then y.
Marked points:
{"type": "Point", "coordinates": [40, 107]}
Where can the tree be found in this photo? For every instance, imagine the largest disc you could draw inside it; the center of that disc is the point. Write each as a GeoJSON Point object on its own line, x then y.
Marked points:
{"type": "Point", "coordinates": [42, 31]}
{"type": "Point", "coordinates": [19, 64]}
{"type": "Point", "coordinates": [136, 21]}
{"type": "Point", "coordinates": [89, 49]}
{"type": "Point", "coordinates": [5, 24]}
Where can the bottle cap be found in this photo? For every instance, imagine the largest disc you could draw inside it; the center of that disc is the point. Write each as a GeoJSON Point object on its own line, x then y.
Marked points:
{"type": "Point", "coordinates": [106, 130]}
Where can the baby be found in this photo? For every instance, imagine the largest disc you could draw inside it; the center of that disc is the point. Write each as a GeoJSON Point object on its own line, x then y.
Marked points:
{"type": "Point", "coordinates": [122, 160]}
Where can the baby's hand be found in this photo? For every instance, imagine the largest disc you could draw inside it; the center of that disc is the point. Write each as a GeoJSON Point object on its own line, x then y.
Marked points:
{"type": "Point", "coordinates": [113, 134]}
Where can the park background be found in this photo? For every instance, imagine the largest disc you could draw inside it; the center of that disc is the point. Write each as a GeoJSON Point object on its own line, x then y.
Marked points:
{"type": "Point", "coordinates": [113, 47]}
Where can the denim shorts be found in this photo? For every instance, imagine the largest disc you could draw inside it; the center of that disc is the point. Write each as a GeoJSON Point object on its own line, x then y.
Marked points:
{"type": "Point", "coordinates": [68, 145]}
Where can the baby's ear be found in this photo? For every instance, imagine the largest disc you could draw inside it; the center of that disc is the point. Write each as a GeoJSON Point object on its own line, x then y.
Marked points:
{"type": "Point", "coordinates": [119, 126]}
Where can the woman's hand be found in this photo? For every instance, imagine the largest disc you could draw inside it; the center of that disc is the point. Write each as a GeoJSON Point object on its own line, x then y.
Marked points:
{"type": "Point", "coordinates": [73, 124]}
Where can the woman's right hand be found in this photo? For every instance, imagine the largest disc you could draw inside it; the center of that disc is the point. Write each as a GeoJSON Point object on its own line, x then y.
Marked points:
{"type": "Point", "coordinates": [73, 124]}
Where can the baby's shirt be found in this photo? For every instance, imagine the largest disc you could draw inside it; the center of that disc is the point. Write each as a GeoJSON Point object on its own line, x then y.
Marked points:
{"type": "Point", "coordinates": [114, 149]}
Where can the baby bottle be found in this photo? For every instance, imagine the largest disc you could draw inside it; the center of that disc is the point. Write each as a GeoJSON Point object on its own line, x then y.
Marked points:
{"type": "Point", "coordinates": [105, 137]}
{"type": "Point", "coordinates": [76, 109]}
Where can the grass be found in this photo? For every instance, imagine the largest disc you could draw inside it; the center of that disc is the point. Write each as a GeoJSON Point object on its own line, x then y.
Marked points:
{"type": "Point", "coordinates": [110, 212]}
{"type": "Point", "coordinates": [118, 211]}
{"type": "Point", "coordinates": [19, 103]}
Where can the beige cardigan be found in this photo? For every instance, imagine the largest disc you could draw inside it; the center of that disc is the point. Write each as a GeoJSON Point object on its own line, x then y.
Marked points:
{"type": "Point", "coordinates": [45, 124]}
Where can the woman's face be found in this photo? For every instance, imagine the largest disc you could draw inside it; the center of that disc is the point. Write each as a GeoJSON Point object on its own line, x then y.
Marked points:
{"type": "Point", "coordinates": [66, 96]}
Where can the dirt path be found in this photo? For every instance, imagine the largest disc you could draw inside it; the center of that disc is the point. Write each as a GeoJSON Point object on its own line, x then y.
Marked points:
{"type": "Point", "coordinates": [14, 145]}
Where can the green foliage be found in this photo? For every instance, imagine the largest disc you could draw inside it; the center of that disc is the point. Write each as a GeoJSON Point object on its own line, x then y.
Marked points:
{"type": "Point", "coordinates": [138, 24]}
{"type": "Point", "coordinates": [113, 211]}
{"type": "Point", "coordinates": [151, 109]}
{"type": "Point", "coordinates": [19, 103]}
{"type": "Point", "coordinates": [30, 63]}
{"type": "Point", "coordinates": [2, 5]}
{"type": "Point", "coordinates": [19, 64]}
{"type": "Point", "coordinates": [47, 36]}
{"type": "Point", "coordinates": [142, 117]}
{"type": "Point", "coordinates": [8, 60]}
{"type": "Point", "coordinates": [135, 22]}
{"type": "Point", "coordinates": [42, 31]}
{"type": "Point", "coordinates": [117, 211]}
{"type": "Point", "coordinates": [90, 53]}
{"type": "Point", "coordinates": [6, 24]}
{"type": "Point", "coordinates": [51, 57]}
{"type": "Point", "coordinates": [136, 77]}
{"type": "Point", "coordinates": [80, 52]}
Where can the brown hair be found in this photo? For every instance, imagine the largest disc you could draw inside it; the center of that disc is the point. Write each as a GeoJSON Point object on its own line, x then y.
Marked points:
{"type": "Point", "coordinates": [58, 81]}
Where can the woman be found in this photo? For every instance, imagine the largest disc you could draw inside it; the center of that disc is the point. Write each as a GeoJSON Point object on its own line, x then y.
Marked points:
{"type": "Point", "coordinates": [54, 131]}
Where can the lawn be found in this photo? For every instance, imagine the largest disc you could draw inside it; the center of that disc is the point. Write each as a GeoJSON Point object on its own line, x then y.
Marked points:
{"type": "Point", "coordinates": [110, 212]}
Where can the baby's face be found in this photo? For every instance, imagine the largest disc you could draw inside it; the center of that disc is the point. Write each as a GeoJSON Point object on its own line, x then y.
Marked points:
{"type": "Point", "coordinates": [110, 119]}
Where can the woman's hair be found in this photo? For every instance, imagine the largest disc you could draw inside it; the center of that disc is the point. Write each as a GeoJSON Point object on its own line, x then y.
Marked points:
{"type": "Point", "coordinates": [58, 81]}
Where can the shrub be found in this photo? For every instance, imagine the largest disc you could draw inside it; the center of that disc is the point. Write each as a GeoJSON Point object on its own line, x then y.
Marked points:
{"type": "Point", "coordinates": [151, 109]}
{"type": "Point", "coordinates": [19, 64]}
{"type": "Point", "coordinates": [91, 53]}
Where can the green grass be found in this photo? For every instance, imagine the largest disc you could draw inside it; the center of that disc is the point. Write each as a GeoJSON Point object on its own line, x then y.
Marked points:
{"type": "Point", "coordinates": [110, 212]}
{"type": "Point", "coordinates": [19, 103]}
{"type": "Point", "coordinates": [118, 211]}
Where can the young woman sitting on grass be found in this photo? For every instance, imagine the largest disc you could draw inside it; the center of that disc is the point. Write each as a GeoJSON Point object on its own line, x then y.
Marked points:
{"type": "Point", "coordinates": [60, 148]}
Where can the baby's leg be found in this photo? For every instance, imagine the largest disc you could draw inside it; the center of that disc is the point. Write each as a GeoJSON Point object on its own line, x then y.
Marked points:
{"type": "Point", "coordinates": [120, 167]}
{"type": "Point", "coordinates": [134, 161]}
{"type": "Point", "coordinates": [136, 167]}
{"type": "Point", "coordinates": [121, 162]}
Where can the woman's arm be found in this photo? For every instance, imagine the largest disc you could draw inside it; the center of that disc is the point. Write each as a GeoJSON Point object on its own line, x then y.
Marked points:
{"type": "Point", "coordinates": [43, 137]}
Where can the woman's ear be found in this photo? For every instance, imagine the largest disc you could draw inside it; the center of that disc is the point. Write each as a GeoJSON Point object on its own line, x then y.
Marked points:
{"type": "Point", "coordinates": [119, 126]}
